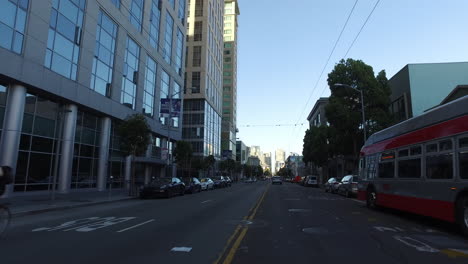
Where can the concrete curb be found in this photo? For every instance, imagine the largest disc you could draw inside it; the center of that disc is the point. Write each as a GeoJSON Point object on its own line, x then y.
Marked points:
{"type": "Point", "coordinates": [65, 207]}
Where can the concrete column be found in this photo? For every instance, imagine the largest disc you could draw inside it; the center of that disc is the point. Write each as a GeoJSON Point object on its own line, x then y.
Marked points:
{"type": "Point", "coordinates": [11, 134]}
{"type": "Point", "coordinates": [128, 171]}
{"type": "Point", "coordinates": [148, 166]}
{"type": "Point", "coordinates": [103, 153]}
{"type": "Point", "coordinates": [68, 120]}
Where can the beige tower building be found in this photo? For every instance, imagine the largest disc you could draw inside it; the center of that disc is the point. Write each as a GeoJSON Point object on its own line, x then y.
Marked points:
{"type": "Point", "coordinates": [203, 77]}
{"type": "Point", "coordinates": [229, 116]}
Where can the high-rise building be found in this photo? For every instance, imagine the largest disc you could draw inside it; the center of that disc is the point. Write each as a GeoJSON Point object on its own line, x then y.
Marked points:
{"type": "Point", "coordinates": [267, 161]}
{"type": "Point", "coordinates": [280, 157]}
{"type": "Point", "coordinates": [203, 78]}
{"type": "Point", "coordinates": [229, 116]}
{"type": "Point", "coordinates": [241, 152]}
{"type": "Point", "coordinates": [71, 71]}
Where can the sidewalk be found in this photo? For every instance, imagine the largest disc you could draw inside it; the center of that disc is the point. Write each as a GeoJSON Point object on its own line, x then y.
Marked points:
{"type": "Point", "coordinates": [35, 204]}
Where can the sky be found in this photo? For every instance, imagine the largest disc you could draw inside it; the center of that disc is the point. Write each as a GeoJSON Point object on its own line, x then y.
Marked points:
{"type": "Point", "coordinates": [284, 45]}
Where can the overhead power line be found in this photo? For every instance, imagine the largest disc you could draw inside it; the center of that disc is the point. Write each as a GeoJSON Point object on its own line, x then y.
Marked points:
{"type": "Point", "coordinates": [326, 64]}
{"type": "Point", "coordinates": [273, 125]}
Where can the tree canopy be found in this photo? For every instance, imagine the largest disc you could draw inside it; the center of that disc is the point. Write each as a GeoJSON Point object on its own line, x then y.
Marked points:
{"type": "Point", "coordinates": [317, 148]}
{"type": "Point", "coordinates": [183, 153]}
{"type": "Point", "coordinates": [134, 134]}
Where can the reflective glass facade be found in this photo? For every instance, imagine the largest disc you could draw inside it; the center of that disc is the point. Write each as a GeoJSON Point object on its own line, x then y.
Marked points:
{"type": "Point", "coordinates": [136, 13]}
{"type": "Point", "coordinates": [176, 95]}
{"type": "Point", "coordinates": [155, 21]}
{"type": "Point", "coordinates": [86, 151]}
{"type": "Point", "coordinates": [179, 50]}
{"type": "Point", "coordinates": [181, 12]}
{"type": "Point", "coordinates": [164, 93]}
{"type": "Point", "coordinates": [3, 97]}
{"type": "Point", "coordinates": [116, 158]}
{"type": "Point", "coordinates": [130, 74]}
{"type": "Point", "coordinates": [150, 87]}
{"type": "Point", "coordinates": [103, 61]}
{"type": "Point", "coordinates": [34, 170]}
{"type": "Point", "coordinates": [13, 24]}
{"type": "Point", "coordinates": [167, 52]}
{"type": "Point", "coordinates": [64, 39]}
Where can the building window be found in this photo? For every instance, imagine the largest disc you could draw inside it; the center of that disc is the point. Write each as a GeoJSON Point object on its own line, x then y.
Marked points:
{"type": "Point", "coordinates": [167, 52]}
{"type": "Point", "coordinates": [182, 10]}
{"type": "Point", "coordinates": [136, 13]}
{"type": "Point", "coordinates": [103, 61]}
{"type": "Point", "coordinates": [179, 50]}
{"type": "Point", "coordinates": [439, 166]}
{"type": "Point", "coordinates": [116, 3]}
{"type": "Point", "coordinates": [227, 59]}
{"type": "Point", "coordinates": [164, 93]}
{"type": "Point", "coordinates": [197, 56]}
{"type": "Point", "coordinates": [196, 79]}
{"type": "Point", "coordinates": [227, 31]}
{"type": "Point", "coordinates": [228, 38]}
{"type": "Point", "coordinates": [227, 45]}
{"type": "Point", "coordinates": [155, 20]}
{"type": "Point", "coordinates": [130, 73]}
{"type": "Point", "coordinates": [227, 25]}
{"type": "Point", "coordinates": [176, 96]}
{"type": "Point", "coordinates": [227, 74]}
{"type": "Point", "coordinates": [150, 87]}
{"type": "Point", "coordinates": [172, 2]}
{"type": "Point", "coordinates": [199, 8]}
{"type": "Point", "coordinates": [64, 39]}
{"type": "Point", "coordinates": [198, 31]}
{"type": "Point", "coordinates": [13, 24]}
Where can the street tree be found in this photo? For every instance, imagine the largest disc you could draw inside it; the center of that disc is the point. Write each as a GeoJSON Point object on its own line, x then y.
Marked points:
{"type": "Point", "coordinates": [134, 134]}
{"type": "Point", "coordinates": [183, 155]}
{"type": "Point", "coordinates": [209, 162]}
{"type": "Point", "coordinates": [344, 108]}
{"type": "Point", "coordinates": [267, 172]}
{"type": "Point", "coordinates": [317, 148]}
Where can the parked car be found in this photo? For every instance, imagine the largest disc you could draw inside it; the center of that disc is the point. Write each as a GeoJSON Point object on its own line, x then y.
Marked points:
{"type": "Point", "coordinates": [336, 185]}
{"type": "Point", "coordinates": [276, 180]}
{"type": "Point", "coordinates": [207, 184]}
{"type": "Point", "coordinates": [219, 182]}
{"type": "Point", "coordinates": [330, 183]}
{"type": "Point", "coordinates": [349, 186]}
{"type": "Point", "coordinates": [228, 180]}
{"type": "Point", "coordinates": [248, 180]}
{"type": "Point", "coordinates": [162, 187]}
{"type": "Point", "coordinates": [311, 180]}
{"type": "Point", "coordinates": [192, 185]}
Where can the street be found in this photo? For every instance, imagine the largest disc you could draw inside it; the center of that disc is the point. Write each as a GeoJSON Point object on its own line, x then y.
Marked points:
{"type": "Point", "coordinates": [247, 223]}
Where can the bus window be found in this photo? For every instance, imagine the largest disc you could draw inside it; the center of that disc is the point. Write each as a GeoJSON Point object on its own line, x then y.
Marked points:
{"type": "Point", "coordinates": [439, 166]}
{"type": "Point", "coordinates": [463, 142]}
{"type": "Point", "coordinates": [415, 151]}
{"type": "Point", "coordinates": [386, 169]}
{"type": "Point", "coordinates": [410, 168]}
{"type": "Point", "coordinates": [445, 145]}
{"type": "Point", "coordinates": [463, 165]}
{"type": "Point", "coordinates": [403, 153]}
{"type": "Point", "coordinates": [431, 148]}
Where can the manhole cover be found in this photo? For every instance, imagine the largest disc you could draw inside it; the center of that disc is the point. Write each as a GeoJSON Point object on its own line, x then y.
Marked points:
{"type": "Point", "coordinates": [299, 210]}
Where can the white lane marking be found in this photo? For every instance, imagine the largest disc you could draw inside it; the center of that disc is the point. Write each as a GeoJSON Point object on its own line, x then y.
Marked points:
{"type": "Point", "coordinates": [68, 224]}
{"type": "Point", "coordinates": [104, 224]}
{"type": "Point", "coordinates": [140, 224]}
{"type": "Point", "coordinates": [358, 201]}
{"type": "Point", "coordinates": [98, 221]}
{"type": "Point", "coordinates": [418, 245]}
{"type": "Point", "coordinates": [181, 249]}
{"type": "Point", "coordinates": [207, 201]}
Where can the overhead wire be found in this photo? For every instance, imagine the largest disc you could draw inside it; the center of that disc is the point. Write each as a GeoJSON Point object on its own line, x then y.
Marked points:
{"type": "Point", "coordinates": [324, 67]}
{"type": "Point", "coordinates": [357, 36]}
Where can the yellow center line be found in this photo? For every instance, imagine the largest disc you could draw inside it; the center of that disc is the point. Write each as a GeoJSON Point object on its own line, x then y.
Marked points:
{"type": "Point", "coordinates": [235, 246]}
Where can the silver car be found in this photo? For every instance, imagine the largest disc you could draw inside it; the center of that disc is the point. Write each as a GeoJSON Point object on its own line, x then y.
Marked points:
{"type": "Point", "coordinates": [206, 184]}
{"type": "Point", "coordinates": [276, 180]}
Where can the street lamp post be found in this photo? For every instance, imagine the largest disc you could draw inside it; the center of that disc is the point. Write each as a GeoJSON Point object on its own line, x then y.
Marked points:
{"type": "Point", "coordinates": [362, 107]}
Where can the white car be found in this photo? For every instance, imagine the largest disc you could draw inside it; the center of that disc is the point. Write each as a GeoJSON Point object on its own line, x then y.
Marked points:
{"type": "Point", "coordinates": [311, 181]}
{"type": "Point", "coordinates": [276, 180]}
{"type": "Point", "coordinates": [206, 184]}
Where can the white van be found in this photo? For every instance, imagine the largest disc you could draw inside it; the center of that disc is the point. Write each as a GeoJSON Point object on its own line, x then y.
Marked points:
{"type": "Point", "coordinates": [311, 180]}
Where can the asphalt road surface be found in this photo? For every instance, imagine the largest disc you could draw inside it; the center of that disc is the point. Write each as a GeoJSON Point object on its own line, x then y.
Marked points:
{"type": "Point", "coordinates": [246, 223]}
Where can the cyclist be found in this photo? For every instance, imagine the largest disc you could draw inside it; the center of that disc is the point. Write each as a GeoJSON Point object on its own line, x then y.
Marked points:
{"type": "Point", "coordinates": [5, 178]}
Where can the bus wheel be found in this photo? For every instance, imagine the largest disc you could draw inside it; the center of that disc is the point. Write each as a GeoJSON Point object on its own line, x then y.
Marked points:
{"type": "Point", "coordinates": [462, 214]}
{"type": "Point", "coordinates": [371, 199]}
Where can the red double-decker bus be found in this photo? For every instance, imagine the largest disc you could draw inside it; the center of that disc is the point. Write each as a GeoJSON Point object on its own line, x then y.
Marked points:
{"type": "Point", "coordinates": [421, 165]}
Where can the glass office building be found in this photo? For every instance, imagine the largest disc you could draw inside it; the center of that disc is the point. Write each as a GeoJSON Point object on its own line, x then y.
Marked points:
{"type": "Point", "coordinates": [76, 69]}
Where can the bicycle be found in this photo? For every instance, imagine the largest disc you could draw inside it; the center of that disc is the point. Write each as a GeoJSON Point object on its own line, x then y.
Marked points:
{"type": "Point", "coordinates": [5, 217]}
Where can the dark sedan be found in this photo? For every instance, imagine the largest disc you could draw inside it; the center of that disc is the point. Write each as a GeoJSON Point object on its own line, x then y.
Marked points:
{"type": "Point", "coordinates": [163, 187]}
{"type": "Point", "coordinates": [219, 182]}
{"type": "Point", "coordinates": [192, 185]}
